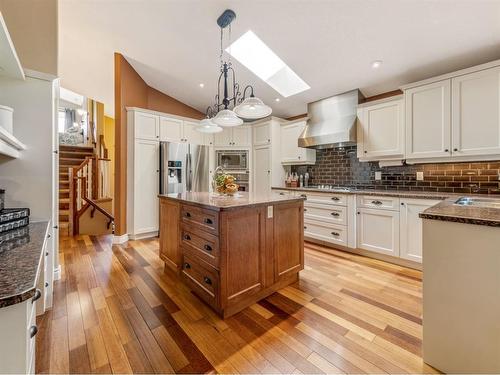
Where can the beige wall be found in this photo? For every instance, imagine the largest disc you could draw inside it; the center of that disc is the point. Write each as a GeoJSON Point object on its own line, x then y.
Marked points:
{"type": "Point", "coordinates": [33, 27]}
{"type": "Point", "coordinates": [109, 139]}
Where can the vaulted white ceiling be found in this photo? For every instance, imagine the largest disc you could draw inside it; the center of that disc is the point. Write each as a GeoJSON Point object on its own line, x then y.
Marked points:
{"type": "Point", "coordinates": [174, 44]}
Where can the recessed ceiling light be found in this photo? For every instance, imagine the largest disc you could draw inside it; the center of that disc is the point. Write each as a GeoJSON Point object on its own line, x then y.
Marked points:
{"type": "Point", "coordinates": [277, 99]}
{"type": "Point", "coordinates": [263, 62]}
{"type": "Point", "coordinates": [376, 64]}
{"type": "Point", "coordinates": [202, 85]}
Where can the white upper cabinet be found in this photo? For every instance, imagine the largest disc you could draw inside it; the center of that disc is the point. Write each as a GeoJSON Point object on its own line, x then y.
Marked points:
{"type": "Point", "coordinates": [191, 135]}
{"type": "Point", "coordinates": [262, 134]}
{"type": "Point", "coordinates": [476, 113]}
{"type": "Point", "coordinates": [380, 130]}
{"type": "Point", "coordinates": [291, 153]}
{"type": "Point", "coordinates": [147, 126]}
{"type": "Point", "coordinates": [240, 136]}
{"type": "Point", "coordinates": [428, 122]}
{"type": "Point", "coordinates": [170, 129]}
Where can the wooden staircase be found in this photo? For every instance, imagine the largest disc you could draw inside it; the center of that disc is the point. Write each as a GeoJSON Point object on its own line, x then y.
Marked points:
{"type": "Point", "coordinates": [69, 157]}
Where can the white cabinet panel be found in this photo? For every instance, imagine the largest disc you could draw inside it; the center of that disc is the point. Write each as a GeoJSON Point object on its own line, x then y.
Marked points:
{"type": "Point", "coordinates": [146, 126]}
{"type": "Point", "coordinates": [326, 213]}
{"type": "Point", "coordinates": [476, 113]}
{"type": "Point", "coordinates": [428, 123]}
{"type": "Point", "coordinates": [380, 202]}
{"type": "Point", "coordinates": [378, 230]}
{"type": "Point", "coordinates": [146, 186]}
{"type": "Point", "coordinates": [382, 130]}
{"type": "Point", "coordinates": [323, 198]}
{"type": "Point", "coordinates": [411, 227]}
{"type": "Point", "coordinates": [262, 170]}
{"type": "Point", "coordinates": [170, 129]}
{"type": "Point", "coordinates": [335, 234]}
{"type": "Point", "coordinates": [224, 138]}
{"type": "Point", "coordinates": [191, 135]}
{"type": "Point", "coordinates": [262, 134]}
{"type": "Point", "coordinates": [291, 153]}
{"type": "Point", "coordinates": [242, 136]}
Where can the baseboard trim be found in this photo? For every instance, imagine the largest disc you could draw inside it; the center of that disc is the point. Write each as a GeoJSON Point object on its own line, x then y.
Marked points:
{"type": "Point", "coordinates": [57, 273]}
{"type": "Point", "coordinates": [141, 236]}
{"type": "Point", "coordinates": [120, 239]}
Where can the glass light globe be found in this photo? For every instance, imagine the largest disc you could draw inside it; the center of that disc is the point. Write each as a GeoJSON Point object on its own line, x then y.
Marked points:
{"type": "Point", "coordinates": [227, 118]}
{"type": "Point", "coordinates": [207, 126]}
{"type": "Point", "coordinates": [252, 108]}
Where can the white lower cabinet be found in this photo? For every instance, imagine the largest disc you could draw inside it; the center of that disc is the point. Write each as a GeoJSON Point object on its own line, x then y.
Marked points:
{"type": "Point", "coordinates": [325, 231]}
{"type": "Point", "coordinates": [378, 230]}
{"type": "Point", "coordinates": [411, 228]}
{"type": "Point", "coordinates": [262, 170]}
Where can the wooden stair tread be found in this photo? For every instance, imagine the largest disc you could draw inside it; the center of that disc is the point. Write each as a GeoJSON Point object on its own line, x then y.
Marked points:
{"type": "Point", "coordinates": [63, 200]}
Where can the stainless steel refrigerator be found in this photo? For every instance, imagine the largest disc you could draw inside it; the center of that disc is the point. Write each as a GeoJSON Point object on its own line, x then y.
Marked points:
{"type": "Point", "coordinates": [183, 167]}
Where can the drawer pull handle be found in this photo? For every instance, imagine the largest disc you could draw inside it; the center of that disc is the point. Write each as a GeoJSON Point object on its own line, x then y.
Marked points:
{"type": "Point", "coordinates": [46, 253]}
{"type": "Point", "coordinates": [188, 214]}
{"type": "Point", "coordinates": [207, 247]}
{"type": "Point", "coordinates": [207, 280]}
{"type": "Point", "coordinates": [378, 203]}
{"type": "Point", "coordinates": [208, 221]}
{"type": "Point", "coordinates": [335, 214]}
{"type": "Point", "coordinates": [335, 198]}
{"type": "Point", "coordinates": [37, 295]}
{"type": "Point", "coordinates": [282, 193]}
{"type": "Point", "coordinates": [305, 209]}
{"type": "Point", "coordinates": [33, 331]}
{"type": "Point", "coordinates": [335, 234]}
{"type": "Point", "coordinates": [46, 285]}
{"type": "Point", "coordinates": [187, 266]}
{"type": "Point", "coordinates": [187, 237]}
{"type": "Point", "coordinates": [303, 195]}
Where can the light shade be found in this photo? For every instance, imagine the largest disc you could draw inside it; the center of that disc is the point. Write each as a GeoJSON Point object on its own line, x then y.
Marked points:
{"type": "Point", "coordinates": [207, 126]}
{"type": "Point", "coordinates": [252, 108]}
{"type": "Point", "coordinates": [227, 118]}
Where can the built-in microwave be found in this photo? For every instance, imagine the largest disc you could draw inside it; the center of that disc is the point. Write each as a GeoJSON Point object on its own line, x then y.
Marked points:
{"type": "Point", "coordinates": [232, 159]}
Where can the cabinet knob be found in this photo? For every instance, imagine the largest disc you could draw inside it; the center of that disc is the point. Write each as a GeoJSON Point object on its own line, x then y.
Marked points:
{"type": "Point", "coordinates": [455, 149]}
{"type": "Point", "coordinates": [48, 235]}
{"type": "Point", "coordinates": [305, 227]}
{"type": "Point", "coordinates": [187, 237]}
{"type": "Point", "coordinates": [299, 157]}
{"type": "Point", "coordinates": [37, 296]}
{"type": "Point", "coordinates": [33, 331]}
{"type": "Point", "coordinates": [208, 221]}
{"type": "Point", "coordinates": [207, 247]}
{"type": "Point", "coordinates": [365, 152]}
{"type": "Point", "coordinates": [187, 266]}
{"type": "Point", "coordinates": [269, 140]}
{"type": "Point", "coordinates": [446, 150]}
{"type": "Point", "coordinates": [46, 253]}
{"type": "Point", "coordinates": [207, 280]}
{"type": "Point", "coordinates": [305, 209]}
{"type": "Point", "coordinates": [188, 214]}
{"type": "Point", "coordinates": [46, 285]}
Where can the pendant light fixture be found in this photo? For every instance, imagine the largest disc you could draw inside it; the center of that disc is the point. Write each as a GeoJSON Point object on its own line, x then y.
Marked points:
{"type": "Point", "coordinates": [244, 108]}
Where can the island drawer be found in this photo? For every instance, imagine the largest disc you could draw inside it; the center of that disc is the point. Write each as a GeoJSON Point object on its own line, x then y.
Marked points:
{"type": "Point", "coordinates": [202, 279]}
{"type": "Point", "coordinates": [200, 244]}
{"type": "Point", "coordinates": [327, 213]}
{"type": "Point", "coordinates": [206, 220]}
{"type": "Point", "coordinates": [323, 198]}
{"type": "Point", "coordinates": [380, 202]}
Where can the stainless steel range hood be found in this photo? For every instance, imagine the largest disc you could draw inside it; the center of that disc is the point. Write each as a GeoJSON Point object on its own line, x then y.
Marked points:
{"type": "Point", "coordinates": [332, 121]}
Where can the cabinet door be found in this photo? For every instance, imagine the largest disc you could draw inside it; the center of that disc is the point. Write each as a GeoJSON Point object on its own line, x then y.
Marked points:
{"type": "Point", "coordinates": [476, 113]}
{"type": "Point", "coordinates": [242, 136]}
{"type": "Point", "coordinates": [262, 170]}
{"type": "Point", "coordinates": [169, 234]}
{"type": "Point", "coordinates": [262, 134]}
{"type": "Point", "coordinates": [170, 129]}
{"type": "Point", "coordinates": [146, 186]}
{"type": "Point", "coordinates": [411, 227]}
{"type": "Point", "coordinates": [428, 124]}
{"type": "Point", "coordinates": [382, 126]}
{"type": "Point", "coordinates": [146, 126]}
{"type": "Point", "coordinates": [191, 135]}
{"type": "Point", "coordinates": [288, 244]}
{"type": "Point", "coordinates": [378, 230]}
{"type": "Point", "coordinates": [224, 138]}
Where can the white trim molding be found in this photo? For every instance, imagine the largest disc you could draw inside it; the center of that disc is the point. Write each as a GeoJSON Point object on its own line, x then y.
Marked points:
{"type": "Point", "coordinates": [120, 239]}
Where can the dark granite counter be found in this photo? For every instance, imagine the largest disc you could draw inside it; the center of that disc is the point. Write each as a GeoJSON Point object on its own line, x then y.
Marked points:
{"type": "Point", "coordinates": [449, 211]}
{"type": "Point", "coordinates": [224, 202]}
{"type": "Point", "coordinates": [20, 259]}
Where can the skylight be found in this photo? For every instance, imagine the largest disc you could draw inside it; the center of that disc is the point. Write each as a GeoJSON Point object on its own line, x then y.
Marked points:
{"type": "Point", "coordinates": [263, 62]}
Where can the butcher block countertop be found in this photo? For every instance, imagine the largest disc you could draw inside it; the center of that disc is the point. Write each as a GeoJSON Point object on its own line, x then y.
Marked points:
{"type": "Point", "coordinates": [225, 202]}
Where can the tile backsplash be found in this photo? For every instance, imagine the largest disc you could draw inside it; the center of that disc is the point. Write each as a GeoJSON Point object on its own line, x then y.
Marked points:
{"type": "Point", "coordinates": [341, 167]}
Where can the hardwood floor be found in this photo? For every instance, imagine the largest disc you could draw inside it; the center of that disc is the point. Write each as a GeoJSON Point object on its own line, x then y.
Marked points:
{"type": "Point", "coordinates": [116, 311]}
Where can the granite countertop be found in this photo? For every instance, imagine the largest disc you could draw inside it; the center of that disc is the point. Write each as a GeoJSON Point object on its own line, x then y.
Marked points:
{"type": "Point", "coordinates": [20, 259]}
{"type": "Point", "coordinates": [449, 211]}
{"type": "Point", "coordinates": [222, 202]}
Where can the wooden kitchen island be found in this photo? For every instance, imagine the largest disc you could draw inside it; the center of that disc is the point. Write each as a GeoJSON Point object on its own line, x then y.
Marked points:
{"type": "Point", "coordinates": [232, 251]}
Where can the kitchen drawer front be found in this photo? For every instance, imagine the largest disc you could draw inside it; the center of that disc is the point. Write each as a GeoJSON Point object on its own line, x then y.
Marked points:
{"type": "Point", "coordinates": [202, 279]}
{"type": "Point", "coordinates": [323, 198]}
{"type": "Point", "coordinates": [200, 244]}
{"type": "Point", "coordinates": [327, 213]}
{"type": "Point", "coordinates": [379, 202]}
{"type": "Point", "coordinates": [335, 234]}
{"type": "Point", "coordinates": [283, 192]}
{"type": "Point", "coordinates": [206, 220]}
